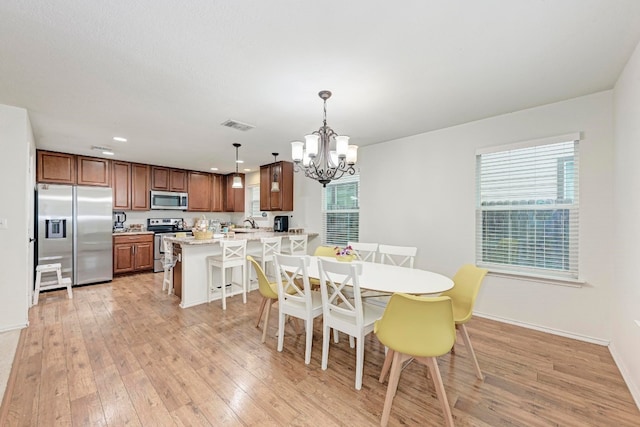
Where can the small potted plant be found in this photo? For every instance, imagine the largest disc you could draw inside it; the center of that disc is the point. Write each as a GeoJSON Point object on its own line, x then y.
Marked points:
{"type": "Point", "coordinates": [344, 254]}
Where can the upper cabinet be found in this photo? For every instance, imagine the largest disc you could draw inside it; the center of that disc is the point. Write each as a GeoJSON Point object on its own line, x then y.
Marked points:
{"type": "Point", "coordinates": [93, 171]}
{"type": "Point", "coordinates": [140, 185]}
{"type": "Point", "coordinates": [276, 200]}
{"type": "Point", "coordinates": [121, 185]}
{"type": "Point", "coordinates": [56, 168]}
{"type": "Point", "coordinates": [217, 193]}
{"type": "Point", "coordinates": [166, 179]}
{"type": "Point", "coordinates": [233, 197]}
{"type": "Point", "coordinates": [199, 184]}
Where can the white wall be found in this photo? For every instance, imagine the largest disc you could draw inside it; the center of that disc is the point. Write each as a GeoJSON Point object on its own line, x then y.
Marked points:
{"type": "Point", "coordinates": [16, 194]}
{"type": "Point", "coordinates": [420, 191]}
{"type": "Point", "coordinates": [625, 298]}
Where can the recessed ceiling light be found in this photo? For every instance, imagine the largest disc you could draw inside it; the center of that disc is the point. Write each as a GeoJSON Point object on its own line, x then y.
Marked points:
{"type": "Point", "coordinates": [108, 153]}
{"type": "Point", "coordinates": [119, 139]}
{"type": "Point", "coordinates": [239, 161]}
{"type": "Point", "coordinates": [214, 169]}
{"type": "Point", "coordinates": [247, 170]}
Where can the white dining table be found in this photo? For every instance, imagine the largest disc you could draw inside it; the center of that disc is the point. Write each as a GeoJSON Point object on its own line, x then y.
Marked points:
{"type": "Point", "coordinates": [392, 278]}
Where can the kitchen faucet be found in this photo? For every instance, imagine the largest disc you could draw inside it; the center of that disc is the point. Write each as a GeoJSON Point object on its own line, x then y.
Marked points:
{"type": "Point", "coordinates": [252, 222]}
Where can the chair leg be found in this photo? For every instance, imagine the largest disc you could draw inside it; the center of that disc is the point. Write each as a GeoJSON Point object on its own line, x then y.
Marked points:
{"type": "Point", "coordinates": [387, 364]}
{"type": "Point", "coordinates": [359, 361]}
{"type": "Point", "coordinates": [396, 369]}
{"type": "Point", "coordinates": [244, 283]}
{"type": "Point", "coordinates": [326, 337]}
{"type": "Point", "coordinates": [467, 343]}
{"type": "Point", "coordinates": [280, 330]}
{"type": "Point", "coordinates": [432, 363]}
{"type": "Point", "coordinates": [266, 321]}
{"type": "Point", "coordinates": [352, 342]}
{"type": "Point", "coordinates": [309, 329]}
{"type": "Point", "coordinates": [336, 337]}
{"type": "Point", "coordinates": [261, 310]}
{"type": "Point", "coordinates": [223, 288]}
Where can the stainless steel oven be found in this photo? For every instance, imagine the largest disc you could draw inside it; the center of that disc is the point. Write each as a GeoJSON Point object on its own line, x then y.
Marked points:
{"type": "Point", "coordinates": [169, 200]}
{"type": "Point", "coordinates": [162, 227]}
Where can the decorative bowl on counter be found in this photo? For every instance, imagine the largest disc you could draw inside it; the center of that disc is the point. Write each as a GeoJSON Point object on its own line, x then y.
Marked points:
{"type": "Point", "coordinates": [202, 235]}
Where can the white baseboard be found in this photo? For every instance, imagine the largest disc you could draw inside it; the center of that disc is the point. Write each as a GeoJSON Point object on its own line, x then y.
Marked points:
{"type": "Point", "coordinates": [634, 389]}
{"type": "Point", "coordinates": [558, 332]}
{"type": "Point", "coordinates": [13, 327]}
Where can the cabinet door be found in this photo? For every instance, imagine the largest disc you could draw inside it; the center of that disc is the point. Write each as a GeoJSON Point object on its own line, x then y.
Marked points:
{"type": "Point", "coordinates": [140, 198]}
{"type": "Point", "coordinates": [285, 177]}
{"type": "Point", "coordinates": [265, 188]}
{"type": "Point", "coordinates": [93, 171]}
{"type": "Point", "coordinates": [160, 178]}
{"type": "Point", "coordinates": [56, 168]}
{"type": "Point", "coordinates": [123, 258]}
{"type": "Point", "coordinates": [143, 253]}
{"type": "Point", "coordinates": [178, 180]}
{"type": "Point", "coordinates": [199, 192]}
{"type": "Point", "coordinates": [234, 197]}
{"type": "Point", "coordinates": [121, 184]}
{"type": "Point", "coordinates": [217, 193]}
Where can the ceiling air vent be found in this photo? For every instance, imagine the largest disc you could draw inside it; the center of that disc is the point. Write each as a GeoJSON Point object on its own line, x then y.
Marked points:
{"type": "Point", "coordinates": [234, 124]}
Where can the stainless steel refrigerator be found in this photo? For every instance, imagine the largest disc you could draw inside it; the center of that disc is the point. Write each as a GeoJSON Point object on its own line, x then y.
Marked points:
{"type": "Point", "coordinates": [75, 229]}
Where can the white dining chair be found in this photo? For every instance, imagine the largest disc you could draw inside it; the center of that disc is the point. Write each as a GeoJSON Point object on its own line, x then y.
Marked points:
{"type": "Point", "coordinates": [345, 311]}
{"type": "Point", "coordinates": [402, 256]}
{"type": "Point", "coordinates": [297, 245]}
{"type": "Point", "coordinates": [296, 300]}
{"type": "Point", "coordinates": [234, 254]}
{"type": "Point", "coordinates": [365, 251]}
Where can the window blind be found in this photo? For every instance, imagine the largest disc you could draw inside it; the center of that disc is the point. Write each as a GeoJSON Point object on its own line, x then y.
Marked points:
{"type": "Point", "coordinates": [527, 210]}
{"type": "Point", "coordinates": [341, 211]}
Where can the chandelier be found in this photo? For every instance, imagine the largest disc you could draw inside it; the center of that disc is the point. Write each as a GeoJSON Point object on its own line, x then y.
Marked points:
{"type": "Point", "coordinates": [317, 158]}
{"type": "Point", "coordinates": [237, 180]}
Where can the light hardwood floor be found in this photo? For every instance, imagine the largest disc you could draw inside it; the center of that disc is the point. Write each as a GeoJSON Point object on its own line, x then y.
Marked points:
{"type": "Point", "coordinates": [124, 353]}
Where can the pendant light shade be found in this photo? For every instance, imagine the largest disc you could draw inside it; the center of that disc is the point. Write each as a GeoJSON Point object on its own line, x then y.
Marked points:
{"type": "Point", "coordinates": [275, 184]}
{"type": "Point", "coordinates": [237, 180]}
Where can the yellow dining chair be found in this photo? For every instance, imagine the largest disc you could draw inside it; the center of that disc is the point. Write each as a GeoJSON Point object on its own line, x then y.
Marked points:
{"type": "Point", "coordinates": [466, 285]}
{"type": "Point", "coordinates": [416, 327]}
{"type": "Point", "coordinates": [269, 292]}
{"type": "Point", "coordinates": [328, 251]}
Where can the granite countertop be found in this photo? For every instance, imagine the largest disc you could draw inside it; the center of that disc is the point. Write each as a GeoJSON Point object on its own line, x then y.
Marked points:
{"type": "Point", "coordinates": [257, 235]}
{"type": "Point", "coordinates": [130, 233]}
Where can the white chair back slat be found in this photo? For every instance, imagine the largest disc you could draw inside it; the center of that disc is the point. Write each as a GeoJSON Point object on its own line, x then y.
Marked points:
{"type": "Point", "coordinates": [365, 251]}
{"type": "Point", "coordinates": [234, 252]}
{"type": "Point", "coordinates": [298, 245]}
{"type": "Point", "coordinates": [402, 256]}
{"type": "Point", "coordinates": [335, 278]}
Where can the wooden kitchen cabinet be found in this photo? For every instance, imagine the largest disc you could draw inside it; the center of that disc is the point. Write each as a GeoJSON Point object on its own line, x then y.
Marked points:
{"type": "Point", "coordinates": [199, 184]}
{"type": "Point", "coordinates": [276, 201]}
{"type": "Point", "coordinates": [167, 179]}
{"type": "Point", "coordinates": [217, 193]}
{"type": "Point", "coordinates": [140, 197]}
{"type": "Point", "coordinates": [121, 185]}
{"type": "Point", "coordinates": [132, 253]}
{"type": "Point", "coordinates": [233, 197]}
{"type": "Point", "coordinates": [93, 171]}
{"type": "Point", "coordinates": [55, 168]}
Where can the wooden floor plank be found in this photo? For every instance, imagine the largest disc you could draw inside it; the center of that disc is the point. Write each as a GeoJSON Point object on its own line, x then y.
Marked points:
{"type": "Point", "coordinates": [124, 353]}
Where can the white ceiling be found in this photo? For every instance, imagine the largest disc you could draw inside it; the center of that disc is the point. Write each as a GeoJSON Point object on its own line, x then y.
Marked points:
{"type": "Point", "coordinates": [165, 74]}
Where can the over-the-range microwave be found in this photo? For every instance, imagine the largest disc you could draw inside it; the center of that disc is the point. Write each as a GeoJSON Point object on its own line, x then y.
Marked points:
{"type": "Point", "coordinates": [169, 200]}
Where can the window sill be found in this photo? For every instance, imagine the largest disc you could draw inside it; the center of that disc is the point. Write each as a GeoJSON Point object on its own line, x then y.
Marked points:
{"type": "Point", "coordinates": [572, 283]}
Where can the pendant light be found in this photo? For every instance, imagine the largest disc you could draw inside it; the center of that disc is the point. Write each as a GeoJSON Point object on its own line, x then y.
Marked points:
{"type": "Point", "coordinates": [237, 180]}
{"type": "Point", "coordinates": [275, 185]}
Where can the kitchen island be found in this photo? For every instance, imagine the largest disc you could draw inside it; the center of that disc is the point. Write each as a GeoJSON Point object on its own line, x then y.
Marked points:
{"type": "Point", "coordinates": [190, 275]}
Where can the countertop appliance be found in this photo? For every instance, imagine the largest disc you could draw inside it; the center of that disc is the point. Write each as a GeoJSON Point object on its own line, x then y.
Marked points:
{"type": "Point", "coordinates": [119, 219]}
{"type": "Point", "coordinates": [169, 200]}
{"type": "Point", "coordinates": [281, 223]}
{"type": "Point", "coordinates": [162, 227]}
{"type": "Point", "coordinates": [74, 228]}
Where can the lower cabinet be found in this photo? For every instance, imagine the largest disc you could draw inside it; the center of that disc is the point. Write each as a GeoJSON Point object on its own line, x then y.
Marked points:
{"type": "Point", "coordinates": [132, 253]}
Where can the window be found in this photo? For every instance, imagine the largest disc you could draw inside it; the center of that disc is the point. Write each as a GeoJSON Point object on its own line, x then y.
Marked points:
{"type": "Point", "coordinates": [340, 211]}
{"type": "Point", "coordinates": [254, 201]}
{"type": "Point", "coordinates": [527, 208]}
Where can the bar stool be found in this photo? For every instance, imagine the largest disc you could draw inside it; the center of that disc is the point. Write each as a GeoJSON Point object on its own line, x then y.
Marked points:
{"type": "Point", "coordinates": [51, 284]}
{"type": "Point", "coordinates": [234, 254]}
{"type": "Point", "coordinates": [297, 245]}
{"type": "Point", "coordinates": [270, 246]}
